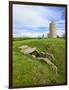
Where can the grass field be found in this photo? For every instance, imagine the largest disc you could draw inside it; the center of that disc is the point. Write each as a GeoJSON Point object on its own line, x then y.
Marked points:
{"type": "Point", "coordinates": [30, 71]}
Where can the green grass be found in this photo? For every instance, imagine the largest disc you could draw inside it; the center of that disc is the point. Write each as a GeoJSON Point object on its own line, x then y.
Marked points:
{"type": "Point", "coordinates": [30, 71]}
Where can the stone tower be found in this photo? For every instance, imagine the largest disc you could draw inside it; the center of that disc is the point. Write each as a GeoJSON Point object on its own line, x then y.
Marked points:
{"type": "Point", "coordinates": [52, 28]}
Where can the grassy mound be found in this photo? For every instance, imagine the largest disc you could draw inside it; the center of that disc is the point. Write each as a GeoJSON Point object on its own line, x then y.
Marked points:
{"type": "Point", "coordinates": [30, 71]}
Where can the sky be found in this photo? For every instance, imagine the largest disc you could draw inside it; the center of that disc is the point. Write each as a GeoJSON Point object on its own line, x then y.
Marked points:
{"type": "Point", "coordinates": [33, 21]}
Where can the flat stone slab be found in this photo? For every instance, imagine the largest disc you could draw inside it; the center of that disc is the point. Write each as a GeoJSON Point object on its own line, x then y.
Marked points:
{"type": "Point", "coordinates": [27, 50]}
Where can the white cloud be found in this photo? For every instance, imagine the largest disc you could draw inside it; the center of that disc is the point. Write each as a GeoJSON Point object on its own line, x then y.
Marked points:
{"type": "Point", "coordinates": [27, 16]}
{"type": "Point", "coordinates": [30, 34]}
{"type": "Point", "coordinates": [60, 32]}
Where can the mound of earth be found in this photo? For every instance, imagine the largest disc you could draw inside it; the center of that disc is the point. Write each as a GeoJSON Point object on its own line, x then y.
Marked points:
{"type": "Point", "coordinates": [47, 57]}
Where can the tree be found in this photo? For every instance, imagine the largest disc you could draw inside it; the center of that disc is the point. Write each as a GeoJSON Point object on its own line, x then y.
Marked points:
{"type": "Point", "coordinates": [43, 36]}
{"type": "Point", "coordinates": [48, 35]}
{"type": "Point", "coordinates": [63, 36]}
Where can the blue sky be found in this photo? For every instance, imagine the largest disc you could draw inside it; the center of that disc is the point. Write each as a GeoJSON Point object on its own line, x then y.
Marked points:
{"type": "Point", "coordinates": [33, 21]}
